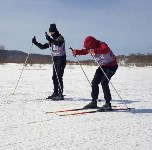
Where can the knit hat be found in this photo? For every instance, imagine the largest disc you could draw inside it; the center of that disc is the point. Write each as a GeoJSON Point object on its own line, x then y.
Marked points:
{"type": "Point", "coordinates": [53, 28]}
{"type": "Point", "coordinates": [90, 42]}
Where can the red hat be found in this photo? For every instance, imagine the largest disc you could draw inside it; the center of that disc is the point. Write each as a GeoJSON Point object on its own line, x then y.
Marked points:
{"type": "Point", "coordinates": [90, 42]}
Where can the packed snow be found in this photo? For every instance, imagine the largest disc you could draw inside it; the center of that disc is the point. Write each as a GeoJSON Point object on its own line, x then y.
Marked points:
{"type": "Point", "coordinates": [24, 124]}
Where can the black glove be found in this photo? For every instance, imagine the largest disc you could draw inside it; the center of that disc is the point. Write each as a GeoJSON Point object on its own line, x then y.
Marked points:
{"type": "Point", "coordinates": [34, 40]}
{"type": "Point", "coordinates": [48, 38]}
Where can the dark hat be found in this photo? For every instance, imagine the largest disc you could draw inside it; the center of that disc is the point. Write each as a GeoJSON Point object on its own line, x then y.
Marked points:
{"type": "Point", "coordinates": [53, 28]}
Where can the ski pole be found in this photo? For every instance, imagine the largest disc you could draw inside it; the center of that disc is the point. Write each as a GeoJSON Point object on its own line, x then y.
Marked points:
{"type": "Point", "coordinates": [109, 80]}
{"type": "Point", "coordinates": [22, 69]}
{"type": "Point", "coordinates": [55, 68]}
{"type": "Point", "coordinates": [82, 68]}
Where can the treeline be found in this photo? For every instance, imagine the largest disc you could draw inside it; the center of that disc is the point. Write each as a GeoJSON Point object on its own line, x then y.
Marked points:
{"type": "Point", "coordinates": [140, 58]}
{"type": "Point", "coordinates": [136, 59]}
{"type": "Point", "coordinates": [130, 60]}
{"type": "Point", "coordinates": [13, 56]}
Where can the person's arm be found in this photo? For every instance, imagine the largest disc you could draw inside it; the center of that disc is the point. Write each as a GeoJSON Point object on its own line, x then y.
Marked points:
{"type": "Point", "coordinates": [79, 52]}
{"type": "Point", "coordinates": [41, 46]}
{"type": "Point", "coordinates": [59, 41]}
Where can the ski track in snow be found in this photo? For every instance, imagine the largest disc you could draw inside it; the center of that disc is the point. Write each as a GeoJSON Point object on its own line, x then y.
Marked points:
{"type": "Point", "coordinates": [25, 126]}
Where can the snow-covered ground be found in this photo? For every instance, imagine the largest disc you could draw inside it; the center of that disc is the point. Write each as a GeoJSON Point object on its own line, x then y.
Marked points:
{"type": "Point", "coordinates": [25, 126]}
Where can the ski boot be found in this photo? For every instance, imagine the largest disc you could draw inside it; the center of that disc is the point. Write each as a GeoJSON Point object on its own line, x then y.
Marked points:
{"type": "Point", "coordinates": [91, 105]}
{"type": "Point", "coordinates": [52, 96]}
{"type": "Point", "coordinates": [105, 107]}
{"type": "Point", "coordinates": [58, 97]}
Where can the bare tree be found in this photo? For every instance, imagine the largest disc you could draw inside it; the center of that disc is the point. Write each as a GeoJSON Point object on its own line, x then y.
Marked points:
{"type": "Point", "coordinates": [2, 48]}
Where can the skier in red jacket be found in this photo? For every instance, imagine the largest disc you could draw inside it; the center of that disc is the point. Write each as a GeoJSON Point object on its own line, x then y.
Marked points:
{"type": "Point", "coordinates": [107, 60]}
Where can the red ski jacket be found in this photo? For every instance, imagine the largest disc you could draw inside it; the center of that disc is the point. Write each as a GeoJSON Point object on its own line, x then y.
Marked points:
{"type": "Point", "coordinates": [103, 55]}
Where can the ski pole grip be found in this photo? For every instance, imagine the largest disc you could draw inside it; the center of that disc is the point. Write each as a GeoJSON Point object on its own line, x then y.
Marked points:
{"type": "Point", "coordinates": [46, 33]}
{"type": "Point", "coordinates": [71, 48]}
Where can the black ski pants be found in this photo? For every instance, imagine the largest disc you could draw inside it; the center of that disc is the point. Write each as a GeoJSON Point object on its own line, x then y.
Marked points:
{"type": "Point", "coordinates": [100, 78]}
{"type": "Point", "coordinates": [58, 71]}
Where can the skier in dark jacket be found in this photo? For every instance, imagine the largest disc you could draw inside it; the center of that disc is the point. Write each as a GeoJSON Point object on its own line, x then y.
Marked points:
{"type": "Point", "coordinates": [57, 43]}
{"type": "Point", "coordinates": [107, 60]}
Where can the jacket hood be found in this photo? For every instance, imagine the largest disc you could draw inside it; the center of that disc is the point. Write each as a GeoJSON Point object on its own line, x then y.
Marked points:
{"type": "Point", "coordinates": [90, 42]}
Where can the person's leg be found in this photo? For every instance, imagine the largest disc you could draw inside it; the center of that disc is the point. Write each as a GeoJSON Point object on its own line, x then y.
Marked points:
{"type": "Point", "coordinates": [60, 72]}
{"type": "Point", "coordinates": [55, 84]}
{"type": "Point", "coordinates": [105, 82]}
{"type": "Point", "coordinates": [55, 79]}
{"type": "Point", "coordinates": [105, 86]}
{"type": "Point", "coordinates": [95, 83]}
{"type": "Point", "coordinates": [59, 76]}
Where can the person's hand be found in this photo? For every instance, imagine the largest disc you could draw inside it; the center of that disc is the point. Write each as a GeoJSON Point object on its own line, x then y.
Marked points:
{"type": "Point", "coordinates": [34, 40]}
{"type": "Point", "coordinates": [48, 37]}
{"type": "Point", "coordinates": [91, 51]}
{"type": "Point", "coordinates": [74, 52]}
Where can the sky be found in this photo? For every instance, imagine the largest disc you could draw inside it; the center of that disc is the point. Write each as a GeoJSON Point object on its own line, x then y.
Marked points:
{"type": "Point", "coordinates": [125, 25]}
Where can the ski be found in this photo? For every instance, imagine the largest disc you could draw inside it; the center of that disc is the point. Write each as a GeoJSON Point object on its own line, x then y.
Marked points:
{"type": "Point", "coordinates": [95, 111]}
{"type": "Point", "coordinates": [66, 110]}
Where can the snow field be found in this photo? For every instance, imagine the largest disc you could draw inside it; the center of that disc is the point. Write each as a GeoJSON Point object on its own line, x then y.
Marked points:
{"type": "Point", "coordinates": [25, 126]}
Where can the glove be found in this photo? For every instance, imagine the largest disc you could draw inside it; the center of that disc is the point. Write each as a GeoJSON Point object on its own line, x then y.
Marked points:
{"type": "Point", "coordinates": [34, 40]}
{"type": "Point", "coordinates": [48, 38]}
{"type": "Point", "coordinates": [74, 52]}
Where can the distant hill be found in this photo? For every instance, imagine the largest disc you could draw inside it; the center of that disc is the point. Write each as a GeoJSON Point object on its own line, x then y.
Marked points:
{"type": "Point", "coordinates": [14, 56]}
